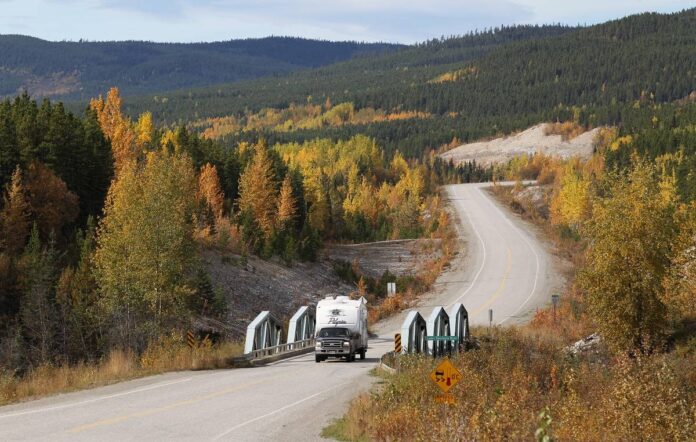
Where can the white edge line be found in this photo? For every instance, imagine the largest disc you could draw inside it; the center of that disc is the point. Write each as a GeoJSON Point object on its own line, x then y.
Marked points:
{"type": "Point", "coordinates": [536, 255]}
{"type": "Point", "coordinates": [483, 262]}
{"type": "Point", "coordinates": [226, 432]}
{"type": "Point", "coordinates": [89, 401]}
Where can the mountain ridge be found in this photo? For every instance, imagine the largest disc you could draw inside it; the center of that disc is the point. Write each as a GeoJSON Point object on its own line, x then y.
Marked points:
{"type": "Point", "coordinates": [78, 70]}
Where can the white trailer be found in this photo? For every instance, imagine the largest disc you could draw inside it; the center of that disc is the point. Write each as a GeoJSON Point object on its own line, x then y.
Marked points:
{"type": "Point", "coordinates": [341, 328]}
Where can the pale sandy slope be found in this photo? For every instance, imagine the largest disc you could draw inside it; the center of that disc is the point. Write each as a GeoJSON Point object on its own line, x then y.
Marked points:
{"type": "Point", "coordinates": [530, 141]}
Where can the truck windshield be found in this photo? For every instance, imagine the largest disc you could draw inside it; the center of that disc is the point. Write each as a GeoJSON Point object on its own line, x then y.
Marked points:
{"type": "Point", "coordinates": [334, 333]}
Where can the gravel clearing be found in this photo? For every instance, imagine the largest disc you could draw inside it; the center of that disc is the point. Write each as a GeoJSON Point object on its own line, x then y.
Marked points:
{"type": "Point", "coordinates": [528, 142]}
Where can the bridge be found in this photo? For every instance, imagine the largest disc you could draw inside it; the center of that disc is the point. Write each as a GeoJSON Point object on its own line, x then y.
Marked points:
{"type": "Point", "coordinates": [445, 331]}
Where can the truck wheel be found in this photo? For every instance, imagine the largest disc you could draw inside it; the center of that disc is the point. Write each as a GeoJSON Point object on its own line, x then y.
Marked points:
{"type": "Point", "coordinates": [362, 354]}
{"type": "Point", "coordinates": [351, 358]}
{"type": "Point", "coordinates": [317, 358]}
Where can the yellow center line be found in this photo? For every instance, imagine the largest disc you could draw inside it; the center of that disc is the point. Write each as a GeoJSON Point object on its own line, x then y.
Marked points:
{"type": "Point", "coordinates": [194, 400]}
{"type": "Point", "coordinates": [501, 287]}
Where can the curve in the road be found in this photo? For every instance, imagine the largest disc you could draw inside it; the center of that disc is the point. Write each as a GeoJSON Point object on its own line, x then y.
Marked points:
{"type": "Point", "coordinates": [508, 265]}
{"type": "Point", "coordinates": [503, 268]}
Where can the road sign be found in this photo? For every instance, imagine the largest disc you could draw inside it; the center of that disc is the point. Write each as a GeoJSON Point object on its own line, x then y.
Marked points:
{"type": "Point", "coordinates": [190, 339]}
{"type": "Point", "coordinates": [442, 338]}
{"type": "Point", "coordinates": [397, 343]}
{"type": "Point", "coordinates": [445, 375]}
{"type": "Point", "coordinates": [391, 288]}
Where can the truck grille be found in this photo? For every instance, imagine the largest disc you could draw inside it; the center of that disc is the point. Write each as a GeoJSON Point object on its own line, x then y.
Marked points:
{"type": "Point", "coordinates": [332, 343]}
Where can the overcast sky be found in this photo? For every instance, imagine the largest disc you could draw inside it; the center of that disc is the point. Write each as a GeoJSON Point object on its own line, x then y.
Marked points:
{"type": "Point", "coordinates": [404, 21]}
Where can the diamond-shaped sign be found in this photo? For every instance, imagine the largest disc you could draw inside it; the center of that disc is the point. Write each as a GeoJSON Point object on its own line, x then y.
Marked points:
{"type": "Point", "coordinates": [445, 375]}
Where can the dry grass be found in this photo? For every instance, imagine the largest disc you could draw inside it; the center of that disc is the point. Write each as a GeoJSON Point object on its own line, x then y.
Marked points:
{"type": "Point", "coordinates": [516, 375]}
{"type": "Point", "coordinates": [390, 306]}
{"type": "Point", "coordinates": [168, 354]}
{"type": "Point", "coordinates": [567, 130]}
{"type": "Point", "coordinates": [519, 372]}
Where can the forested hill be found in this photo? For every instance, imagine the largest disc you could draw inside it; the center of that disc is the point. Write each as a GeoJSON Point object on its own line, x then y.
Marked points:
{"type": "Point", "coordinates": [80, 70]}
{"type": "Point", "coordinates": [513, 71]}
{"type": "Point", "coordinates": [374, 78]}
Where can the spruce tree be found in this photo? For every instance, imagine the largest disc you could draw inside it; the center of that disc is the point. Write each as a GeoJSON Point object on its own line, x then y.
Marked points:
{"type": "Point", "coordinates": [37, 305]}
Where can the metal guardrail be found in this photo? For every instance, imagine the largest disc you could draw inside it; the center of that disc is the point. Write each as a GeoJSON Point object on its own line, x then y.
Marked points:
{"type": "Point", "coordinates": [282, 348]}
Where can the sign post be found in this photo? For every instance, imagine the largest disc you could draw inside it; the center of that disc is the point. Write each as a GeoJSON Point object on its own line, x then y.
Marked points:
{"type": "Point", "coordinates": [490, 320]}
{"type": "Point", "coordinates": [397, 343]}
{"type": "Point", "coordinates": [391, 289]}
{"type": "Point", "coordinates": [190, 339]}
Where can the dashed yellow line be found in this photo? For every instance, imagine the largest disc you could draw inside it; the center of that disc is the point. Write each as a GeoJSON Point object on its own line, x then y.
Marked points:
{"type": "Point", "coordinates": [501, 287]}
{"type": "Point", "coordinates": [151, 411]}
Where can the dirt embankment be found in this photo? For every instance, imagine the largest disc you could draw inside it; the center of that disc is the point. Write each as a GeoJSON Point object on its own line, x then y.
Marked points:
{"type": "Point", "coordinates": [533, 140]}
{"type": "Point", "coordinates": [398, 257]}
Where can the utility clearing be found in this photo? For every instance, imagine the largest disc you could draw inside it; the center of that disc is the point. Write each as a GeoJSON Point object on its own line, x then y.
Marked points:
{"type": "Point", "coordinates": [536, 139]}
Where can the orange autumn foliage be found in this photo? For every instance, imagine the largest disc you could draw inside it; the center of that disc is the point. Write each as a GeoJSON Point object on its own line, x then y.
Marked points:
{"type": "Point", "coordinates": [210, 190]}
{"type": "Point", "coordinates": [52, 204]}
{"type": "Point", "coordinates": [117, 129]}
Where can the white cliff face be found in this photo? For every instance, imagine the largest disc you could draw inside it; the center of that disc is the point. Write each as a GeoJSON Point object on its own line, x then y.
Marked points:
{"type": "Point", "coordinates": [531, 141]}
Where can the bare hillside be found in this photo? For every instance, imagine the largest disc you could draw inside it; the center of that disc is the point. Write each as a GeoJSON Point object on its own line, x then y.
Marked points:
{"type": "Point", "coordinates": [399, 257]}
{"type": "Point", "coordinates": [253, 285]}
{"type": "Point", "coordinates": [528, 142]}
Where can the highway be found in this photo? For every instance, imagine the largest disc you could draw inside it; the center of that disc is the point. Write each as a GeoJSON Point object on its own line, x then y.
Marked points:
{"type": "Point", "coordinates": [504, 268]}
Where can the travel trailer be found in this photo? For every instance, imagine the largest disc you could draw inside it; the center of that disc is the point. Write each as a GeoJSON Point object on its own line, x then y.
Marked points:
{"type": "Point", "coordinates": [341, 328]}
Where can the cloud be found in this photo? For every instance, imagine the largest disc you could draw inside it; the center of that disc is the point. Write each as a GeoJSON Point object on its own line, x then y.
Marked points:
{"type": "Point", "coordinates": [387, 20]}
{"type": "Point", "coordinates": [159, 8]}
{"type": "Point", "coordinates": [363, 20]}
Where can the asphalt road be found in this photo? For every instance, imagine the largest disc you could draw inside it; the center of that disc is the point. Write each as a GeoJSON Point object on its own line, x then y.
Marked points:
{"type": "Point", "coordinates": [507, 268]}
{"type": "Point", "coordinates": [504, 268]}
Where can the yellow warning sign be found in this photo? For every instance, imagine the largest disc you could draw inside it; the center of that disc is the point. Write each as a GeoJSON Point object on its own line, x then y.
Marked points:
{"type": "Point", "coordinates": [445, 375]}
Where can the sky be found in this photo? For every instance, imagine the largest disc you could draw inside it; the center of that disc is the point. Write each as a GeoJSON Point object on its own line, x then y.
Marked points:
{"type": "Point", "coordinates": [403, 21]}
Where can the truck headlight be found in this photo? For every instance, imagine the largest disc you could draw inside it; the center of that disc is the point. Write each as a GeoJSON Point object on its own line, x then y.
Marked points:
{"type": "Point", "coordinates": [346, 344]}
{"type": "Point", "coordinates": [318, 344]}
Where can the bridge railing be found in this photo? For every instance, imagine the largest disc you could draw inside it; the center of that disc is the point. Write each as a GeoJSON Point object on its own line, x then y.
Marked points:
{"type": "Point", "coordinates": [264, 334]}
{"type": "Point", "coordinates": [459, 323]}
{"type": "Point", "coordinates": [445, 330]}
{"type": "Point", "coordinates": [439, 325]}
{"type": "Point", "coordinates": [301, 325]}
{"type": "Point", "coordinates": [413, 333]}
{"type": "Point", "coordinates": [265, 331]}
{"type": "Point", "coordinates": [282, 348]}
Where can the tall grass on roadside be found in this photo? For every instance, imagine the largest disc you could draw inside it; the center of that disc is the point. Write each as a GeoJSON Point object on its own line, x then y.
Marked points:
{"type": "Point", "coordinates": [513, 378]}
{"type": "Point", "coordinates": [167, 354]}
